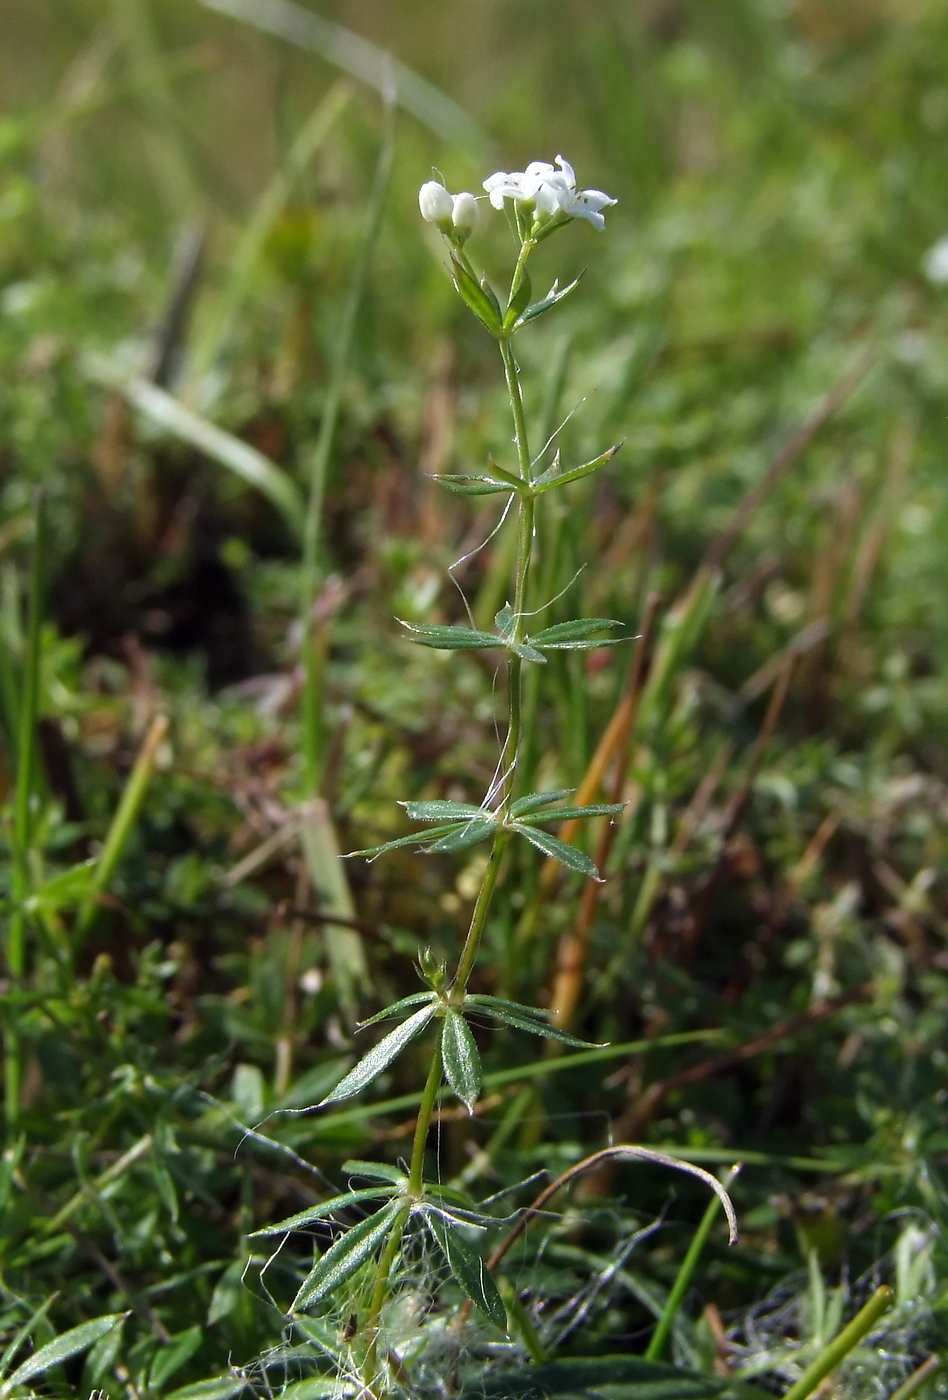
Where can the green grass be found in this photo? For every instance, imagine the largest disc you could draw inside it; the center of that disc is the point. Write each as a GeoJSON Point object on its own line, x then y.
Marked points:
{"type": "Point", "coordinates": [173, 974]}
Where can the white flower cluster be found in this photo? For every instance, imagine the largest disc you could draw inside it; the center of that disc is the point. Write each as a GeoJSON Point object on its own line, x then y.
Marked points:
{"type": "Point", "coordinates": [549, 194]}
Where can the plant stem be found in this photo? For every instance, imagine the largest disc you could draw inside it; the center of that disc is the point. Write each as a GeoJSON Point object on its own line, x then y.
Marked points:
{"type": "Point", "coordinates": [840, 1347]}
{"type": "Point", "coordinates": [22, 815]}
{"type": "Point", "coordinates": [670, 1311]}
{"type": "Point", "coordinates": [415, 1186]}
{"type": "Point", "coordinates": [479, 915]}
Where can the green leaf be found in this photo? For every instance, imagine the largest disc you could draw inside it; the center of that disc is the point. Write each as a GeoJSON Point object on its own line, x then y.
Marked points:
{"type": "Point", "coordinates": [462, 1061]}
{"type": "Point", "coordinates": [481, 301]}
{"type": "Point", "coordinates": [440, 811]}
{"type": "Point", "coordinates": [343, 1258]}
{"type": "Point", "coordinates": [61, 1348]}
{"type": "Point", "coordinates": [419, 839]}
{"type": "Point", "coordinates": [570, 856]}
{"type": "Point", "coordinates": [376, 1060]}
{"type": "Point", "coordinates": [526, 652]}
{"type": "Point", "coordinates": [227, 1292]}
{"type": "Point", "coordinates": [572, 636]}
{"type": "Point", "coordinates": [475, 485]}
{"type": "Point", "coordinates": [542, 1028]}
{"type": "Point", "coordinates": [502, 1004]}
{"type": "Point", "coordinates": [444, 638]}
{"type": "Point", "coordinates": [593, 809]}
{"type": "Point", "coordinates": [463, 836]}
{"type": "Point", "coordinates": [553, 296]}
{"type": "Point", "coordinates": [321, 1211]}
{"type": "Point", "coordinates": [173, 1355]}
{"type": "Point", "coordinates": [553, 476]}
{"type": "Point", "coordinates": [469, 1269]}
{"type": "Point", "coordinates": [375, 1171]}
{"type": "Point", "coordinates": [535, 800]}
{"type": "Point", "coordinates": [618, 1377]}
{"type": "Point", "coordinates": [218, 1388]}
{"type": "Point", "coordinates": [396, 1008]}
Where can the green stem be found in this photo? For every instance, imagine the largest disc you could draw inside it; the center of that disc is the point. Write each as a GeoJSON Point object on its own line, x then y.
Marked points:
{"type": "Point", "coordinates": [670, 1311]}
{"type": "Point", "coordinates": [479, 916]}
{"type": "Point", "coordinates": [416, 1181]}
{"type": "Point", "coordinates": [22, 813]}
{"type": "Point", "coordinates": [416, 1173]}
{"type": "Point", "coordinates": [380, 1293]}
{"type": "Point", "coordinates": [840, 1347]}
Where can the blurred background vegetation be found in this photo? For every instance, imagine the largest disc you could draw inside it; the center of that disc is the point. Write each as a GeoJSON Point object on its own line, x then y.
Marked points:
{"type": "Point", "coordinates": [186, 187]}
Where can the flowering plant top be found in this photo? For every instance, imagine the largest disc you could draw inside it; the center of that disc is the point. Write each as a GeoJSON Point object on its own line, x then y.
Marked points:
{"type": "Point", "coordinates": [551, 193]}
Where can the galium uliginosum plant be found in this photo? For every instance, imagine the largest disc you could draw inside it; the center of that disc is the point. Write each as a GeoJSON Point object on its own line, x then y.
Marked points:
{"type": "Point", "coordinates": [542, 200]}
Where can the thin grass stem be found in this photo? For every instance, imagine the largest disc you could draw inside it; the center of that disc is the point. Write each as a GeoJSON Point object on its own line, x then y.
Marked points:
{"type": "Point", "coordinates": [683, 1278]}
{"type": "Point", "coordinates": [840, 1347]}
{"type": "Point", "coordinates": [23, 814]}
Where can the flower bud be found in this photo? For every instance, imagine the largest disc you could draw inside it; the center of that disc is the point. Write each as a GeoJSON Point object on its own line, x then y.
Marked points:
{"type": "Point", "coordinates": [464, 215]}
{"type": "Point", "coordinates": [436, 204]}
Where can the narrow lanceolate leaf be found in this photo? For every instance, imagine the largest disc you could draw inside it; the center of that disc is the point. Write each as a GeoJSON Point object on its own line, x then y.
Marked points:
{"type": "Point", "coordinates": [397, 1007]}
{"type": "Point", "coordinates": [462, 1061]}
{"type": "Point", "coordinates": [347, 1255]}
{"type": "Point", "coordinates": [543, 1028]}
{"type": "Point", "coordinates": [577, 635]}
{"type": "Point", "coordinates": [375, 1171]}
{"type": "Point", "coordinates": [444, 638]}
{"type": "Point", "coordinates": [482, 302]}
{"type": "Point", "coordinates": [474, 485]}
{"type": "Point", "coordinates": [321, 1211]}
{"type": "Point", "coordinates": [442, 811]}
{"type": "Point", "coordinates": [554, 295]}
{"type": "Point", "coordinates": [419, 838]}
{"type": "Point", "coordinates": [460, 837]}
{"type": "Point", "coordinates": [535, 800]}
{"type": "Point", "coordinates": [526, 652]}
{"type": "Point", "coordinates": [553, 476]}
{"type": "Point", "coordinates": [469, 1269]}
{"type": "Point", "coordinates": [538, 1013]}
{"type": "Point", "coordinates": [376, 1060]}
{"type": "Point", "coordinates": [570, 856]}
{"type": "Point", "coordinates": [563, 814]}
{"type": "Point", "coordinates": [60, 1349]}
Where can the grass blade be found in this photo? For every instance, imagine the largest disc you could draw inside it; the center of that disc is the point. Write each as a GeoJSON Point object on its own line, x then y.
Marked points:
{"type": "Point", "coordinates": [60, 1349]}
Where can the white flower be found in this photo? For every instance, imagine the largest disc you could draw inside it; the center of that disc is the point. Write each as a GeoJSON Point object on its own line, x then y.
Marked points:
{"type": "Point", "coordinates": [464, 214]}
{"type": "Point", "coordinates": [436, 205]}
{"type": "Point", "coordinates": [552, 192]}
{"type": "Point", "coordinates": [935, 262]}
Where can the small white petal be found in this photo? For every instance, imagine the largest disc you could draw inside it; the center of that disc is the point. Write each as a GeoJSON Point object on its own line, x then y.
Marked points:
{"type": "Point", "coordinates": [935, 263]}
{"type": "Point", "coordinates": [567, 170]}
{"type": "Point", "coordinates": [435, 203]}
{"type": "Point", "coordinates": [465, 213]}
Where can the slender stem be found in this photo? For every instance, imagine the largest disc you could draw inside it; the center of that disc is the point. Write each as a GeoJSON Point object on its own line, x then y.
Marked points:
{"type": "Point", "coordinates": [479, 915]}
{"type": "Point", "coordinates": [22, 813]}
{"type": "Point", "coordinates": [516, 405]}
{"type": "Point", "coordinates": [670, 1311]}
{"type": "Point", "coordinates": [380, 1293]}
{"type": "Point", "coordinates": [432, 1085]}
{"type": "Point", "coordinates": [380, 1288]}
{"type": "Point", "coordinates": [840, 1347]}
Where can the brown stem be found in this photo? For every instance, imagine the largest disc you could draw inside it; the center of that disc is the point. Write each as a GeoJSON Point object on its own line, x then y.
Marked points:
{"type": "Point", "coordinates": [607, 1154]}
